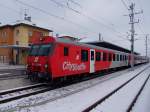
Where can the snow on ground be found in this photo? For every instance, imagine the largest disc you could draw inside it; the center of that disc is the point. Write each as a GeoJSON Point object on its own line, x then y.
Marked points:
{"type": "Point", "coordinates": [74, 102]}
{"type": "Point", "coordinates": [7, 66]}
{"type": "Point", "coordinates": [120, 101]}
{"type": "Point", "coordinates": [4, 74]}
{"type": "Point", "coordinates": [143, 102]}
{"type": "Point", "coordinates": [58, 92]}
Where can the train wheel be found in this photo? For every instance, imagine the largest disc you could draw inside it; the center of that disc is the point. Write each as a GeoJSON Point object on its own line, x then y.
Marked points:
{"type": "Point", "coordinates": [33, 78]}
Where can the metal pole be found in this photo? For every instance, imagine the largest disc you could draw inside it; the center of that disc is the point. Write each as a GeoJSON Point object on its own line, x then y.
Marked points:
{"type": "Point", "coordinates": [132, 35]}
{"type": "Point", "coordinates": [100, 39]}
{"type": "Point", "coordinates": [146, 44]}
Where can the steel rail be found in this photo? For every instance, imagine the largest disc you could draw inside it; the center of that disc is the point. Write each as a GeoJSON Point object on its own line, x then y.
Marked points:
{"type": "Point", "coordinates": [4, 100]}
{"type": "Point", "coordinates": [137, 95]}
{"type": "Point", "coordinates": [112, 92]}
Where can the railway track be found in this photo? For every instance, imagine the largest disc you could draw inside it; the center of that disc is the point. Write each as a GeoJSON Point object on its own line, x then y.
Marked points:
{"type": "Point", "coordinates": [17, 93]}
{"type": "Point", "coordinates": [64, 92]}
{"type": "Point", "coordinates": [12, 77]}
{"type": "Point", "coordinates": [107, 96]}
{"type": "Point", "coordinates": [137, 95]}
{"type": "Point", "coordinates": [5, 76]}
{"type": "Point", "coordinates": [14, 94]}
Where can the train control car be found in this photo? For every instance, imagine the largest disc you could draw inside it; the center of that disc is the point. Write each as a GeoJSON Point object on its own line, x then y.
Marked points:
{"type": "Point", "coordinates": [53, 58]}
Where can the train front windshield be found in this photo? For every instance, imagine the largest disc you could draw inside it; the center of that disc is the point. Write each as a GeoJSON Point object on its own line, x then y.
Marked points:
{"type": "Point", "coordinates": [40, 50]}
{"type": "Point", "coordinates": [44, 50]}
{"type": "Point", "coordinates": [34, 50]}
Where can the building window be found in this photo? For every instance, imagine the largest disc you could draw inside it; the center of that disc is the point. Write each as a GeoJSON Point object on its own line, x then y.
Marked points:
{"type": "Point", "coordinates": [17, 42]}
{"type": "Point", "coordinates": [66, 51]}
{"type": "Point", "coordinates": [42, 34]}
{"type": "Point", "coordinates": [17, 32]}
{"type": "Point", "coordinates": [84, 55]}
{"type": "Point", "coordinates": [1, 58]}
{"type": "Point", "coordinates": [30, 33]}
{"type": "Point", "coordinates": [4, 34]}
{"type": "Point", "coordinates": [98, 56]}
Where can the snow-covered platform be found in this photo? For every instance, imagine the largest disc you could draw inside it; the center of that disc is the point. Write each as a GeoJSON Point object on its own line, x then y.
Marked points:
{"type": "Point", "coordinates": [5, 66]}
{"type": "Point", "coordinates": [77, 97]}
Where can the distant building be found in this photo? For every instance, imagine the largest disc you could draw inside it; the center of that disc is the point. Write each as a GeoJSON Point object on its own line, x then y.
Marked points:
{"type": "Point", "coordinates": [16, 39]}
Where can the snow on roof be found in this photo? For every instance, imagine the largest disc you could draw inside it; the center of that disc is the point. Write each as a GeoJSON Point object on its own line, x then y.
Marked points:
{"type": "Point", "coordinates": [25, 23]}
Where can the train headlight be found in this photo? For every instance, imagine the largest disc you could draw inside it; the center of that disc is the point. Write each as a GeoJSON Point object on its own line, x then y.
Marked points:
{"type": "Point", "coordinates": [46, 65]}
{"type": "Point", "coordinates": [26, 65]}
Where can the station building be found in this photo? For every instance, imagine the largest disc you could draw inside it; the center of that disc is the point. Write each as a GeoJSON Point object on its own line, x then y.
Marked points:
{"type": "Point", "coordinates": [16, 39]}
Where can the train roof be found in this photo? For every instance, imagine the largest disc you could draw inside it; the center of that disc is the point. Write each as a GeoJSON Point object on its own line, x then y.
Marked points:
{"type": "Point", "coordinates": [110, 46]}
{"type": "Point", "coordinates": [103, 45]}
{"type": "Point", "coordinates": [95, 44]}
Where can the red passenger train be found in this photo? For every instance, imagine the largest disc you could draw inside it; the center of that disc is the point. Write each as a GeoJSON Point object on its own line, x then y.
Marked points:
{"type": "Point", "coordinates": [52, 58]}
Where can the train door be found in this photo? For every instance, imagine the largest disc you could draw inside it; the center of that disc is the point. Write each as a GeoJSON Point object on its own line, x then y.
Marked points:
{"type": "Point", "coordinates": [92, 60]}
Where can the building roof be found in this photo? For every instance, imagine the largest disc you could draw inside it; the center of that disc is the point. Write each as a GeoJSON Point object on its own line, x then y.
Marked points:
{"type": "Point", "coordinates": [25, 24]}
{"type": "Point", "coordinates": [83, 44]}
{"type": "Point", "coordinates": [4, 26]}
{"type": "Point", "coordinates": [33, 26]}
{"type": "Point", "coordinates": [14, 46]}
{"type": "Point", "coordinates": [110, 46]}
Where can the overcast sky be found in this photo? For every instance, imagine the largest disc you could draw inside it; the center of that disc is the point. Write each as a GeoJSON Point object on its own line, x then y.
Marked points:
{"type": "Point", "coordinates": [83, 18]}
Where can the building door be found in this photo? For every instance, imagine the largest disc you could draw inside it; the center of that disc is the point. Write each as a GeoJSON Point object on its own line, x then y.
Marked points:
{"type": "Point", "coordinates": [92, 60]}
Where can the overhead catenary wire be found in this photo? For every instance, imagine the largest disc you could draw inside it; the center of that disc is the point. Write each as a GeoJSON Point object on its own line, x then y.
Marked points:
{"type": "Point", "coordinates": [18, 12]}
{"type": "Point", "coordinates": [141, 8]}
{"type": "Point", "coordinates": [55, 16]}
{"type": "Point", "coordinates": [72, 1]}
{"type": "Point", "coordinates": [88, 17]}
{"type": "Point", "coordinates": [11, 9]}
{"type": "Point", "coordinates": [140, 5]}
{"type": "Point", "coordinates": [125, 5]}
{"type": "Point", "coordinates": [140, 28]}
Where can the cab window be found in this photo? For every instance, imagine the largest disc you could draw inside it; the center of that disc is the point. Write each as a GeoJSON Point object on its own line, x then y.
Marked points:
{"type": "Point", "coordinates": [66, 51]}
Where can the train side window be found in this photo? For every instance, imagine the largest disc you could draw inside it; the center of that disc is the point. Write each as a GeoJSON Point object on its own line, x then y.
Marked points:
{"type": "Point", "coordinates": [117, 57]}
{"type": "Point", "coordinates": [110, 57]}
{"type": "Point", "coordinates": [104, 57]}
{"type": "Point", "coordinates": [114, 57]}
{"type": "Point", "coordinates": [92, 55]}
{"type": "Point", "coordinates": [120, 57]}
{"type": "Point", "coordinates": [98, 56]}
{"type": "Point", "coordinates": [84, 55]}
{"type": "Point", "coordinates": [66, 51]}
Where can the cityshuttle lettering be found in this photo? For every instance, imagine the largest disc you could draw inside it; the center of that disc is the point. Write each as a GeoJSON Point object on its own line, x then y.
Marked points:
{"type": "Point", "coordinates": [73, 66]}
